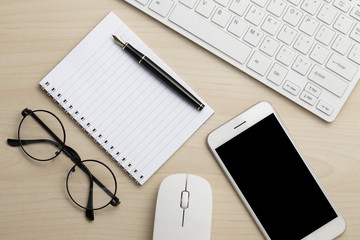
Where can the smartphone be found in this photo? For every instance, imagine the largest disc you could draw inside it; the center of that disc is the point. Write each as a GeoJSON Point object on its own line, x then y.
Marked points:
{"type": "Point", "coordinates": [272, 177]}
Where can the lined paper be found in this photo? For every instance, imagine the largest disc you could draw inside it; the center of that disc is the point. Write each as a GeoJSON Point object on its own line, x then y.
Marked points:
{"type": "Point", "coordinates": [133, 115]}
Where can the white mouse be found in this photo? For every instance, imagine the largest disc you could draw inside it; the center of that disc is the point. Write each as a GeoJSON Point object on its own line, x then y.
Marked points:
{"type": "Point", "coordinates": [183, 209]}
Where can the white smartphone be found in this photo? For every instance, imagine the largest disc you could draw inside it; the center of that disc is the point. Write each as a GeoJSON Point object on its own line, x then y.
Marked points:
{"type": "Point", "coordinates": [272, 177]}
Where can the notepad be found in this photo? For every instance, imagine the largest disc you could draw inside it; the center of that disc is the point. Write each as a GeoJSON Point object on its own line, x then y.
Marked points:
{"type": "Point", "coordinates": [134, 116]}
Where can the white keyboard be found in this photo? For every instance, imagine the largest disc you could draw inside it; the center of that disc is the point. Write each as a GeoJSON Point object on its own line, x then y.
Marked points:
{"type": "Point", "coordinates": [307, 50]}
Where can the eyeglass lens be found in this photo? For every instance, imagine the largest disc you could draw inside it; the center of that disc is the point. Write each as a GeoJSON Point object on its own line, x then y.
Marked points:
{"type": "Point", "coordinates": [36, 141]}
{"type": "Point", "coordinates": [78, 184]}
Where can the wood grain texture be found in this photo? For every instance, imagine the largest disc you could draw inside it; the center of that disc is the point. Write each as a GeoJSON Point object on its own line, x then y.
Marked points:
{"type": "Point", "coordinates": [36, 34]}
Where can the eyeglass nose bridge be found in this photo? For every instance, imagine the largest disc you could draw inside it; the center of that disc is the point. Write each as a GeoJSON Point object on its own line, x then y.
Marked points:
{"type": "Point", "coordinates": [72, 154]}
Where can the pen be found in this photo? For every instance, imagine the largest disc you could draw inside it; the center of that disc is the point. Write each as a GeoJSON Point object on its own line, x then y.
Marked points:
{"type": "Point", "coordinates": [159, 72]}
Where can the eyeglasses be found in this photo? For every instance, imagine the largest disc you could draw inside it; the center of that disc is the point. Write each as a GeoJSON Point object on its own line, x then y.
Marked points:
{"type": "Point", "coordinates": [41, 135]}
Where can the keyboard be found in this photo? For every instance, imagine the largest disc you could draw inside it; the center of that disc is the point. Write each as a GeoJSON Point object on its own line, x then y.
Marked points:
{"type": "Point", "coordinates": [307, 50]}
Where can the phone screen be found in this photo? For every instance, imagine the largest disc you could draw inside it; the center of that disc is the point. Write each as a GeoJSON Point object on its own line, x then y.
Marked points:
{"type": "Point", "coordinates": [275, 181]}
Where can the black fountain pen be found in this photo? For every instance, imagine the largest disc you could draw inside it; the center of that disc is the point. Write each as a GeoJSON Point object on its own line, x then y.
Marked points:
{"type": "Point", "coordinates": [159, 72]}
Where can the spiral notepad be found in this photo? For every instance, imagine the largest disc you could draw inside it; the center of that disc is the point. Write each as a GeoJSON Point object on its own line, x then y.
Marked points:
{"type": "Point", "coordinates": [135, 117]}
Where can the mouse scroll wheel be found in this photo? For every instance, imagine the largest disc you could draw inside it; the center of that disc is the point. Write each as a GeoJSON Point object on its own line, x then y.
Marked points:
{"type": "Point", "coordinates": [184, 201]}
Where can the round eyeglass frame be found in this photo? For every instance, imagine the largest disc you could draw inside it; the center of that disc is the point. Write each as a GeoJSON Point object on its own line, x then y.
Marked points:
{"type": "Point", "coordinates": [62, 144]}
{"type": "Point", "coordinates": [81, 163]}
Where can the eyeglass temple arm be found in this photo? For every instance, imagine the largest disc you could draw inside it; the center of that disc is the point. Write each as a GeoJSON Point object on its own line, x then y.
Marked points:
{"type": "Point", "coordinates": [89, 212]}
{"type": "Point", "coordinates": [73, 155]}
{"type": "Point", "coordinates": [66, 149]}
{"type": "Point", "coordinates": [16, 142]}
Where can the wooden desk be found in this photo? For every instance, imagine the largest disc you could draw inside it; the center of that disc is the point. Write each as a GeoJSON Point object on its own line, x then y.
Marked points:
{"type": "Point", "coordinates": [36, 34]}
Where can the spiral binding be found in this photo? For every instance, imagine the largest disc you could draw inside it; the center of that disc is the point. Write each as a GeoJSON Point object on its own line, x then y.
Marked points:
{"type": "Point", "coordinates": [122, 161]}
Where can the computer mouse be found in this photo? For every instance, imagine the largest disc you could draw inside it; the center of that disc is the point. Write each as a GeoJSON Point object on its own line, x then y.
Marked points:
{"type": "Point", "coordinates": [183, 209]}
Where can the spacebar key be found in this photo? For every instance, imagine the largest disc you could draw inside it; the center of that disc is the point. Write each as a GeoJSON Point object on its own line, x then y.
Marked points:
{"type": "Point", "coordinates": [210, 34]}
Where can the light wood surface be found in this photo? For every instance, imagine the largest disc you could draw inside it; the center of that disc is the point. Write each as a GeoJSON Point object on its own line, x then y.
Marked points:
{"type": "Point", "coordinates": [36, 34]}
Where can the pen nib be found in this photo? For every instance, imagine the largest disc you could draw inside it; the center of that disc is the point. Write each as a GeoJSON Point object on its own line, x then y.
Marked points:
{"type": "Point", "coordinates": [119, 41]}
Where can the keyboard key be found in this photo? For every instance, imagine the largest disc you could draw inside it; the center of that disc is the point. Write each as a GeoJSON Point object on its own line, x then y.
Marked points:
{"type": "Point", "coordinates": [276, 7]}
{"type": "Point", "coordinates": [285, 55]}
{"type": "Point", "coordinates": [253, 36]}
{"type": "Point", "coordinates": [354, 54]}
{"type": "Point", "coordinates": [291, 88]}
{"type": "Point", "coordinates": [343, 24]}
{"type": "Point", "coordinates": [260, 3]}
{"type": "Point", "coordinates": [327, 14]}
{"type": "Point", "coordinates": [342, 5]}
{"type": "Point", "coordinates": [239, 6]}
{"type": "Point", "coordinates": [205, 8]}
{"type": "Point", "coordinates": [325, 35]}
{"type": "Point", "coordinates": [342, 67]}
{"type": "Point", "coordinates": [255, 15]}
{"type": "Point", "coordinates": [328, 81]}
{"type": "Point", "coordinates": [319, 54]}
{"type": "Point", "coordinates": [355, 33]}
{"type": "Point", "coordinates": [259, 63]}
{"type": "Point", "coordinates": [324, 107]}
{"type": "Point", "coordinates": [308, 25]}
{"type": "Point", "coordinates": [295, 2]}
{"type": "Point", "coordinates": [355, 13]}
{"type": "Point", "coordinates": [341, 44]}
{"type": "Point", "coordinates": [312, 89]}
{"type": "Point", "coordinates": [311, 6]}
{"type": "Point", "coordinates": [307, 97]}
{"type": "Point", "coordinates": [188, 3]}
{"type": "Point", "coordinates": [222, 2]}
{"type": "Point", "coordinates": [237, 27]}
{"type": "Point", "coordinates": [210, 34]}
{"type": "Point", "coordinates": [277, 74]}
{"type": "Point", "coordinates": [143, 2]}
{"type": "Point", "coordinates": [287, 34]}
{"type": "Point", "coordinates": [161, 7]}
{"type": "Point", "coordinates": [269, 46]}
{"type": "Point", "coordinates": [221, 17]}
{"type": "Point", "coordinates": [303, 44]}
{"type": "Point", "coordinates": [271, 25]}
{"type": "Point", "coordinates": [301, 65]}
{"type": "Point", "coordinates": [292, 16]}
